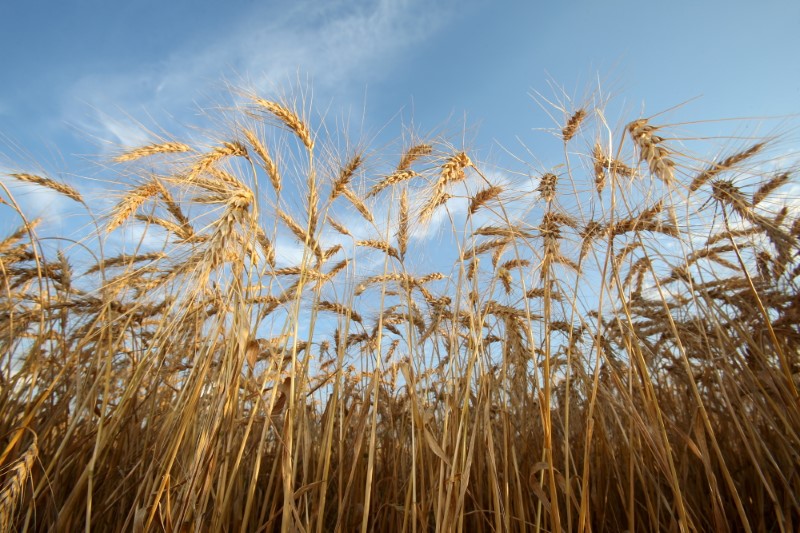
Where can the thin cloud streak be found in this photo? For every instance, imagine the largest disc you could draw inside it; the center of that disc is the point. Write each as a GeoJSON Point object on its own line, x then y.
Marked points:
{"type": "Point", "coordinates": [338, 48]}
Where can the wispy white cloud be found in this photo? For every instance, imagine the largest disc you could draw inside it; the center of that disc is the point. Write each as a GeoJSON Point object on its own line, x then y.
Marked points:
{"type": "Point", "coordinates": [337, 47]}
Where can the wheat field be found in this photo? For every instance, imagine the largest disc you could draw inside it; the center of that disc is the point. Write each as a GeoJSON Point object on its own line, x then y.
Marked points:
{"type": "Point", "coordinates": [330, 336]}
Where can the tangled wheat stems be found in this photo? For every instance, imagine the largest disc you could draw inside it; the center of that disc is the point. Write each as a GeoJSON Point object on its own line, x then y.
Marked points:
{"type": "Point", "coordinates": [328, 337]}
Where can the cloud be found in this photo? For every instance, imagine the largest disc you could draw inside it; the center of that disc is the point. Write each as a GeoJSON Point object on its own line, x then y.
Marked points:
{"type": "Point", "coordinates": [338, 47]}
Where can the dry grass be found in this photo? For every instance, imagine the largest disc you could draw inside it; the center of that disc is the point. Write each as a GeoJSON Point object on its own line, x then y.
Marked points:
{"type": "Point", "coordinates": [568, 356]}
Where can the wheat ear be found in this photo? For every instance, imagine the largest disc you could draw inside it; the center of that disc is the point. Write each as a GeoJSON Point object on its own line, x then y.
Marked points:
{"type": "Point", "coordinates": [132, 202]}
{"type": "Point", "coordinates": [483, 197]}
{"type": "Point", "coordinates": [12, 488]}
{"type": "Point", "coordinates": [152, 149]}
{"type": "Point", "coordinates": [66, 190]}
{"type": "Point", "coordinates": [726, 164]}
{"type": "Point", "coordinates": [412, 154]}
{"type": "Point", "coordinates": [267, 163]}
{"type": "Point", "coordinates": [289, 118]}
{"type": "Point", "coordinates": [573, 124]}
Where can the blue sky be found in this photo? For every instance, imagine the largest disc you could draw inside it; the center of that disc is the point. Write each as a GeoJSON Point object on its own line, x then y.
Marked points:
{"type": "Point", "coordinates": [80, 77]}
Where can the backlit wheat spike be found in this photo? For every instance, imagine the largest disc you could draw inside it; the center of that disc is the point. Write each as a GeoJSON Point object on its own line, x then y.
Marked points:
{"type": "Point", "coordinates": [540, 292]}
{"type": "Point", "coordinates": [266, 246]}
{"type": "Point", "coordinates": [312, 204]}
{"type": "Point", "coordinates": [330, 252]}
{"type": "Point", "coordinates": [726, 164]}
{"type": "Point", "coordinates": [487, 246]}
{"type": "Point", "coordinates": [358, 204]}
{"type": "Point", "coordinates": [795, 231]}
{"type": "Point", "coordinates": [383, 278]}
{"type": "Point", "coordinates": [780, 216]}
{"type": "Point", "coordinates": [125, 260]}
{"type": "Point", "coordinates": [412, 154]}
{"type": "Point", "coordinates": [452, 171]}
{"type": "Point", "coordinates": [289, 118]}
{"type": "Point", "coordinates": [346, 175]}
{"type": "Point", "coordinates": [293, 226]}
{"type": "Point", "coordinates": [438, 199]}
{"type": "Point", "coordinates": [589, 233]}
{"type": "Point", "coordinates": [402, 225]}
{"type": "Point", "coordinates": [309, 273]}
{"type": "Point", "coordinates": [472, 268]}
{"type": "Point", "coordinates": [625, 252]}
{"type": "Point", "coordinates": [168, 225]}
{"type": "Point", "coordinates": [502, 231]}
{"type": "Point", "coordinates": [724, 191]}
{"type": "Point", "coordinates": [152, 149]}
{"type": "Point", "coordinates": [338, 267]}
{"type": "Point", "coordinates": [497, 253]}
{"type": "Point", "coordinates": [433, 276]}
{"type": "Point", "coordinates": [392, 179]}
{"type": "Point", "coordinates": [18, 234]}
{"type": "Point", "coordinates": [547, 187]}
{"type": "Point", "coordinates": [515, 263]}
{"type": "Point", "coordinates": [561, 219]}
{"type": "Point", "coordinates": [599, 168]}
{"type": "Point", "coordinates": [391, 350]}
{"type": "Point", "coordinates": [641, 265]}
{"type": "Point", "coordinates": [505, 278]}
{"type": "Point", "coordinates": [131, 202]}
{"type": "Point", "coordinates": [453, 168]}
{"type": "Point", "coordinates": [573, 124]}
{"type": "Point", "coordinates": [652, 211]}
{"type": "Point", "coordinates": [651, 150]}
{"type": "Point", "coordinates": [207, 161]}
{"type": "Point", "coordinates": [340, 309]}
{"type": "Point", "coordinates": [770, 186]}
{"type": "Point", "coordinates": [483, 197]}
{"type": "Point", "coordinates": [267, 163]}
{"type": "Point", "coordinates": [16, 477]}
{"type": "Point", "coordinates": [338, 227]}
{"type": "Point", "coordinates": [603, 164]}
{"type": "Point", "coordinates": [561, 259]}
{"type": "Point", "coordinates": [173, 208]}
{"type": "Point", "coordinates": [379, 245]}
{"type": "Point", "coordinates": [66, 190]}
{"type": "Point", "coordinates": [300, 233]}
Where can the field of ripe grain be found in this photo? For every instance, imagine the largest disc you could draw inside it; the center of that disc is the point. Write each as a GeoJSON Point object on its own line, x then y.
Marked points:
{"type": "Point", "coordinates": [278, 330]}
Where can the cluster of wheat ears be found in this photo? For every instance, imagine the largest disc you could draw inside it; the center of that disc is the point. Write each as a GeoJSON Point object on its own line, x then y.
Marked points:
{"type": "Point", "coordinates": [610, 344]}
